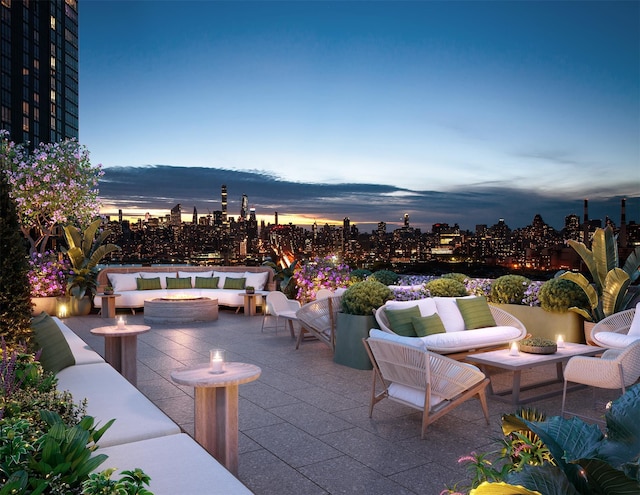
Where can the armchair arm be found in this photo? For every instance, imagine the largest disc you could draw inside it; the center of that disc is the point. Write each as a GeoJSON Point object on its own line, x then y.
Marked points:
{"type": "Point", "coordinates": [597, 372]}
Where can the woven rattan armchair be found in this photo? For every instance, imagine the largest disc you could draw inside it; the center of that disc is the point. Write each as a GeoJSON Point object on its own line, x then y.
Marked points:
{"type": "Point", "coordinates": [617, 368]}
{"type": "Point", "coordinates": [319, 319]}
{"type": "Point", "coordinates": [612, 331]}
{"type": "Point", "coordinates": [420, 379]}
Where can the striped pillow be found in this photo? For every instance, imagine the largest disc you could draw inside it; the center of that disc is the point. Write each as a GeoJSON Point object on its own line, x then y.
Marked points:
{"type": "Point", "coordinates": [476, 313]}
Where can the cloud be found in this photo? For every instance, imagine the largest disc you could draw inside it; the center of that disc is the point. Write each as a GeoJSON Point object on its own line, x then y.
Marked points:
{"type": "Point", "coordinates": [160, 187]}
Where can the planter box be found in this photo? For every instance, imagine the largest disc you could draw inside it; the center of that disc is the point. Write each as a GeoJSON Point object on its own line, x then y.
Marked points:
{"type": "Point", "coordinates": [546, 324]}
{"type": "Point", "coordinates": [350, 330]}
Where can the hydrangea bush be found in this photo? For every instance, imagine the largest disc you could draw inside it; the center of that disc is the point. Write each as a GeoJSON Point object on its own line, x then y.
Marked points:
{"type": "Point", "coordinates": [47, 274]}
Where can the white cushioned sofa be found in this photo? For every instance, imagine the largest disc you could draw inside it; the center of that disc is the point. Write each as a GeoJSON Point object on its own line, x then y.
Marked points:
{"type": "Point", "coordinates": [142, 436]}
{"type": "Point", "coordinates": [462, 324]}
{"type": "Point", "coordinates": [137, 284]}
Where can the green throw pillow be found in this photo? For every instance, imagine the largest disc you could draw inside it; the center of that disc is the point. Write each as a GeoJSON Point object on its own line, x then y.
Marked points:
{"type": "Point", "coordinates": [400, 320]}
{"type": "Point", "coordinates": [178, 283]}
{"type": "Point", "coordinates": [476, 313]}
{"type": "Point", "coordinates": [427, 325]}
{"type": "Point", "coordinates": [148, 283]}
{"type": "Point", "coordinates": [234, 283]}
{"type": "Point", "coordinates": [207, 282]}
{"type": "Point", "coordinates": [56, 353]}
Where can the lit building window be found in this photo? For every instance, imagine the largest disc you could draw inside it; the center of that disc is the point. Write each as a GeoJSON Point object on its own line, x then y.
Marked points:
{"type": "Point", "coordinates": [53, 62]}
{"type": "Point", "coordinates": [53, 23]}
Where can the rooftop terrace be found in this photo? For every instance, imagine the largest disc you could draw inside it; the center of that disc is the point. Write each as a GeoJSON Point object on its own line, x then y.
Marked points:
{"type": "Point", "coordinates": [304, 424]}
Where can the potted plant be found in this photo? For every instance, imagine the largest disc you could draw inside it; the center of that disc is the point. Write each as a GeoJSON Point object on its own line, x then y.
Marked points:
{"type": "Point", "coordinates": [108, 290]}
{"type": "Point", "coordinates": [85, 252]}
{"type": "Point", "coordinates": [609, 292]}
{"type": "Point", "coordinates": [250, 290]}
{"type": "Point", "coordinates": [356, 319]}
{"type": "Point", "coordinates": [48, 281]}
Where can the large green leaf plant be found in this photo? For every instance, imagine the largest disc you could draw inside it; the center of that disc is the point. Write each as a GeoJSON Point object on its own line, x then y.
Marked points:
{"type": "Point", "coordinates": [609, 292]}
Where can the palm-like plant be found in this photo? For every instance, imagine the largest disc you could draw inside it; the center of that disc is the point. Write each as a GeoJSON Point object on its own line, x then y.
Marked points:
{"type": "Point", "coordinates": [609, 293]}
{"type": "Point", "coordinates": [85, 252]}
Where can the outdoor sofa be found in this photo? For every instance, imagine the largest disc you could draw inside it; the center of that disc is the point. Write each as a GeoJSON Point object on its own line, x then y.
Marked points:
{"type": "Point", "coordinates": [142, 436]}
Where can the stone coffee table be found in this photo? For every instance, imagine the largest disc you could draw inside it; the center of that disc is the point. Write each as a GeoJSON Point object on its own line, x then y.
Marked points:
{"type": "Point", "coordinates": [180, 309]}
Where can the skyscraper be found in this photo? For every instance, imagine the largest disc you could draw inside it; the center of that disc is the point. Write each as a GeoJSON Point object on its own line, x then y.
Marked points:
{"type": "Point", "coordinates": [39, 70]}
{"type": "Point", "coordinates": [224, 204]}
{"type": "Point", "coordinates": [244, 208]}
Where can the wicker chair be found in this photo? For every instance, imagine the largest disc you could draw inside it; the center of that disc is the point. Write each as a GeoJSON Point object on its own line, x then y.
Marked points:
{"type": "Point", "coordinates": [617, 323]}
{"type": "Point", "coordinates": [617, 368]}
{"type": "Point", "coordinates": [280, 306]}
{"type": "Point", "coordinates": [319, 319]}
{"type": "Point", "coordinates": [420, 379]}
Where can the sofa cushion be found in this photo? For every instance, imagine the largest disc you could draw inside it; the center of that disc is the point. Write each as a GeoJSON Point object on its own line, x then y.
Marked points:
{"type": "Point", "coordinates": [427, 325]}
{"type": "Point", "coordinates": [470, 339]}
{"type": "Point", "coordinates": [400, 320]}
{"type": "Point", "coordinates": [148, 283]}
{"type": "Point", "coordinates": [178, 282]}
{"type": "Point", "coordinates": [426, 305]}
{"type": "Point", "coordinates": [476, 313]}
{"type": "Point", "coordinates": [193, 275]}
{"type": "Point", "coordinates": [412, 341]}
{"type": "Point", "coordinates": [257, 280]}
{"type": "Point", "coordinates": [206, 282]}
{"type": "Point", "coordinates": [449, 313]}
{"type": "Point", "coordinates": [234, 283]}
{"type": "Point", "coordinates": [109, 395]}
{"type": "Point", "coordinates": [616, 340]}
{"type": "Point", "coordinates": [412, 396]}
{"type": "Point", "coordinates": [56, 353]}
{"type": "Point", "coordinates": [634, 329]}
{"type": "Point", "coordinates": [123, 281]}
{"type": "Point", "coordinates": [162, 275]}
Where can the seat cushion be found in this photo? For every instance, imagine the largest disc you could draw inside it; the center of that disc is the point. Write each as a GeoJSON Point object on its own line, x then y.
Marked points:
{"type": "Point", "coordinates": [257, 280]}
{"type": "Point", "coordinates": [634, 329]}
{"type": "Point", "coordinates": [82, 353]}
{"type": "Point", "coordinates": [412, 396]}
{"type": "Point", "coordinates": [427, 305]}
{"type": "Point", "coordinates": [470, 339]}
{"type": "Point", "coordinates": [234, 283]}
{"type": "Point", "coordinates": [392, 337]}
{"type": "Point", "coordinates": [206, 282]}
{"type": "Point", "coordinates": [616, 340]}
{"type": "Point", "coordinates": [193, 275]}
{"type": "Point", "coordinates": [476, 313]}
{"type": "Point", "coordinates": [56, 353]}
{"type": "Point", "coordinates": [161, 275]}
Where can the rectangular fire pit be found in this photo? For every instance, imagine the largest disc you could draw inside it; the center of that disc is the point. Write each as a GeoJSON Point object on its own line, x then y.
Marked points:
{"type": "Point", "coordinates": [180, 309]}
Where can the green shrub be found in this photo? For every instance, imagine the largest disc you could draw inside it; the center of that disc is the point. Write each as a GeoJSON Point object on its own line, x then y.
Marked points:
{"type": "Point", "coordinates": [460, 277]}
{"type": "Point", "coordinates": [446, 287]}
{"type": "Point", "coordinates": [363, 297]}
{"type": "Point", "coordinates": [360, 274]}
{"type": "Point", "coordinates": [509, 289]}
{"type": "Point", "coordinates": [559, 294]}
{"type": "Point", "coordinates": [386, 277]}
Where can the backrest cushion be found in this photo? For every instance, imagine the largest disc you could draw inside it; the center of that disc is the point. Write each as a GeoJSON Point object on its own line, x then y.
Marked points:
{"type": "Point", "coordinates": [178, 282]}
{"type": "Point", "coordinates": [449, 314]}
{"type": "Point", "coordinates": [123, 281]}
{"type": "Point", "coordinates": [427, 325]}
{"type": "Point", "coordinates": [148, 283]}
{"type": "Point", "coordinates": [400, 320]}
{"type": "Point", "coordinates": [476, 313]}
{"type": "Point", "coordinates": [193, 276]}
{"type": "Point", "coordinates": [634, 329]}
{"type": "Point", "coordinates": [162, 275]}
{"type": "Point", "coordinates": [382, 335]}
{"type": "Point", "coordinates": [56, 353]}
{"type": "Point", "coordinates": [206, 282]}
{"type": "Point", "coordinates": [257, 280]}
{"type": "Point", "coordinates": [427, 305]}
{"type": "Point", "coordinates": [222, 276]}
{"type": "Point", "coordinates": [234, 283]}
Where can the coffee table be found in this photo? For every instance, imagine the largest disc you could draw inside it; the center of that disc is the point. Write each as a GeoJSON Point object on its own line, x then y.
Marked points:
{"type": "Point", "coordinates": [121, 348]}
{"type": "Point", "coordinates": [216, 407]}
{"type": "Point", "coordinates": [502, 359]}
{"type": "Point", "coordinates": [180, 309]}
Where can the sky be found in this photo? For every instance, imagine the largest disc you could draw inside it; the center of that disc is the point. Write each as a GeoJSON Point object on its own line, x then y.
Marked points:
{"type": "Point", "coordinates": [457, 112]}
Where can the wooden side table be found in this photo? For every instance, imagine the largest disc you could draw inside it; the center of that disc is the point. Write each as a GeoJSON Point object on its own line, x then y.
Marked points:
{"type": "Point", "coordinates": [216, 407]}
{"type": "Point", "coordinates": [121, 348]}
{"type": "Point", "coordinates": [250, 304]}
{"type": "Point", "coordinates": [108, 305]}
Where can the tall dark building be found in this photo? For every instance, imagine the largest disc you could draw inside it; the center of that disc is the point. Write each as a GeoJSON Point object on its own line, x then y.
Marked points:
{"type": "Point", "coordinates": [39, 66]}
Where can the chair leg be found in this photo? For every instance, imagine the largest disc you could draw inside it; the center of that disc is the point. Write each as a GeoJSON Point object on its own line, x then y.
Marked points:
{"type": "Point", "coordinates": [299, 340]}
{"type": "Point", "coordinates": [564, 396]}
{"type": "Point", "coordinates": [482, 395]}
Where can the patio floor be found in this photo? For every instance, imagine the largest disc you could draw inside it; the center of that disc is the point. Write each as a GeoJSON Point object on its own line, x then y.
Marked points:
{"type": "Point", "coordinates": [304, 424]}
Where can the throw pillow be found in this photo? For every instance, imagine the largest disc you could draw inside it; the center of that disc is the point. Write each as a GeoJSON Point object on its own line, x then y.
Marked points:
{"type": "Point", "coordinates": [257, 280]}
{"type": "Point", "coordinates": [56, 353]}
{"type": "Point", "coordinates": [178, 283]}
{"type": "Point", "coordinates": [476, 313]}
{"type": "Point", "coordinates": [427, 325]}
{"type": "Point", "coordinates": [206, 282]}
{"type": "Point", "coordinates": [148, 283]}
{"type": "Point", "coordinates": [162, 275]}
{"type": "Point", "coordinates": [234, 283]}
{"type": "Point", "coordinates": [400, 320]}
{"type": "Point", "coordinates": [123, 281]}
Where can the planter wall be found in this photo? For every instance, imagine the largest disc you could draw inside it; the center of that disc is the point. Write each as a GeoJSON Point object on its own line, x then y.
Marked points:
{"type": "Point", "coordinates": [547, 324]}
{"type": "Point", "coordinates": [350, 330]}
{"type": "Point", "coordinates": [46, 304]}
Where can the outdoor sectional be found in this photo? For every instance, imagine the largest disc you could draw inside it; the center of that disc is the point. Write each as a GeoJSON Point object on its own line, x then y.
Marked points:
{"type": "Point", "coordinates": [463, 324]}
{"type": "Point", "coordinates": [124, 282]}
{"type": "Point", "coordinates": [142, 436]}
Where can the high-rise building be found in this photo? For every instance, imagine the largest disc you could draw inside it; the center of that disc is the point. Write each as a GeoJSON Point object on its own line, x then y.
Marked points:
{"type": "Point", "coordinates": [176, 215]}
{"type": "Point", "coordinates": [224, 205]}
{"type": "Point", "coordinates": [244, 208]}
{"type": "Point", "coordinates": [39, 70]}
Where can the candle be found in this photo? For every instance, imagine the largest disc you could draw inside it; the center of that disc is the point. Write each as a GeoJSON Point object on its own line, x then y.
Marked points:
{"type": "Point", "coordinates": [121, 323]}
{"type": "Point", "coordinates": [514, 351]}
{"type": "Point", "coordinates": [62, 311]}
{"type": "Point", "coordinates": [560, 342]}
{"type": "Point", "coordinates": [216, 360]}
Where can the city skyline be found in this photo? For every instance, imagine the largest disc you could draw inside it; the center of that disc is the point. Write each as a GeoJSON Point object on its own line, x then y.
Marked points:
{"type": "Point", "coordinates": [457, 112]}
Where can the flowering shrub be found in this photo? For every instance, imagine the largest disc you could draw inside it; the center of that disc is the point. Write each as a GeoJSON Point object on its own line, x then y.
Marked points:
{"type": "Point", "coordinates": [531, 294]}
{"type": "Point", "coordinates": [320, 273]}
{"type": "Point", "coordinates": [47, 274]}
{"type": "Point", "coordinates": [478, 286]}
{"type": "Point", "coordinates": [411, 293]}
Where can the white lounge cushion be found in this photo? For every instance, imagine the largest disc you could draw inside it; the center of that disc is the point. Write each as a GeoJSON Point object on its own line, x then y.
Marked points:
{"type": "Point", "coordinates": [427, 305]}
{"type": "Point", "coordinates": [634, 329]}
{"type": "Point", "coordinates": [412, 395]}
{"type": "Point", "coordinates": [193, 275]}
{"type": "Point", "coordinates": [123, 281]}
{"type": "Point", "coordinates": [450, 313]}
{"type": "Point", "coordinates": [257, 280]}
{"type": "Point", "coordinates": [470, 339]}
{"type": "Point", "coordinates": [82, 353]}
{"type": "Point", "coordinates": [109, 395]}
{"type": "Point", "coordinates": [161, 275]}
{"type": "Point", "coordinates": [393, 337]}
{"type": "Point", "coordinates": [176, 464]}
{"type": "Point", "coordinates": [616, 340]}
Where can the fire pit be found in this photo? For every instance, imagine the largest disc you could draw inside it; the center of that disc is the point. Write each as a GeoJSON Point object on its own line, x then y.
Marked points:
{"type": "Point", "coordinates": [180, 308]}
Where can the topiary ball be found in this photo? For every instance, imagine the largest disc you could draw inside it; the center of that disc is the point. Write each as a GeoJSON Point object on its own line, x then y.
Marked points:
{"type": "Point", "coordinates": [559, 294]}
{"type": "Point", "coordinates": [387, 277]}
{"type": "Point", "coordinates": [363, 297]}
{"type": "Point", "coordinates": [509, 289]}
{"type": "Point", "coordinates": [446, 287]}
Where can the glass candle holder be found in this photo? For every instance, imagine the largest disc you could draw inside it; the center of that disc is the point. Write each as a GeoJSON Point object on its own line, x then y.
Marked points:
{"type": "Point", "coordinates": [121, 323]}
{"type": "Point", "coordinates": [513, 350]}
{"type": "Point", "coordinates": [216, 360]}
{"type": "Point", "coordinates": [560, 342]}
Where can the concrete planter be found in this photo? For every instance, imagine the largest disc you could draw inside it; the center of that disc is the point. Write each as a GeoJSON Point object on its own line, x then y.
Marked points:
{"type": "Point", "coordinates": [350, 330]}
{"type": "Point", "coordinates": [46, 304]}
{"type": "Point", "coordinates": [547, 324]}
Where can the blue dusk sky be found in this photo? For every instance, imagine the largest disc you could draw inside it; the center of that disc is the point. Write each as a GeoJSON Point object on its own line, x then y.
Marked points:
{"type": "Point", "coordinates": [458, 112]}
